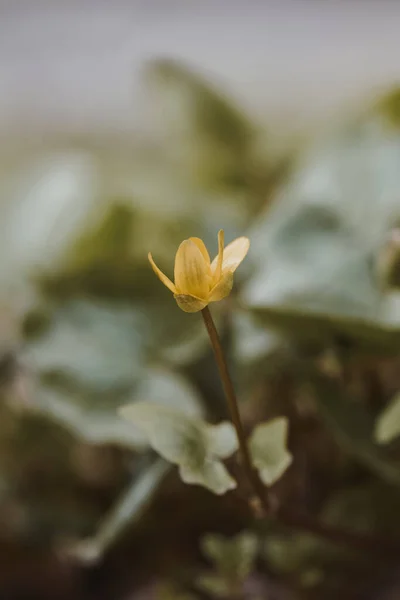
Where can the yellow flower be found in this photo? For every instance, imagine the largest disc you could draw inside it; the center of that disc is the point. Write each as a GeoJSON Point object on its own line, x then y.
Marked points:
{"type": "Point", "coordinates": [198, 281]}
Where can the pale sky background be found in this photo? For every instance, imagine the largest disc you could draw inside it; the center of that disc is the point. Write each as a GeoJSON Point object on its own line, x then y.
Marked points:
{"type": "Point", "coordinates": [74, 65]}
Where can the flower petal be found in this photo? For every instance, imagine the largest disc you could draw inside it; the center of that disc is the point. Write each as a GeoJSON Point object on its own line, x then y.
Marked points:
{"type": "Point", "coordinates": [216, 267]}
{"type": "Point", "coordinates": [189, 304]}
{"type": "Point", "coordinates": [234, 253]}
{"type": "Point", "coordinates": [192, 273]}
{"type": "Point", "coordinates": [166, 281]}
{"type": "Point", "coordinates": [222, 288]}
{"type": "Point", "coordinates": [202, 247]}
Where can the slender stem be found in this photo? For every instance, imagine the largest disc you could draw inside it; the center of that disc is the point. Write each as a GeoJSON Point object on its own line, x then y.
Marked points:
{"type": "Point", "coordinates": [234, 409]}
{"type": "Point", "coordinates": [296, 520]}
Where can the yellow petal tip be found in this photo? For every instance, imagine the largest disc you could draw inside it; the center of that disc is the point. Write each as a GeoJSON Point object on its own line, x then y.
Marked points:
{"type": "Point", "coordinates": [163, 278]}
{"type": "Point", "coordinates": [235, 253]}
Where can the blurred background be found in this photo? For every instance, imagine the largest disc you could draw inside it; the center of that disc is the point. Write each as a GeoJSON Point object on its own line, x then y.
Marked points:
{"type": "Point", "coordinates": [127, 127]}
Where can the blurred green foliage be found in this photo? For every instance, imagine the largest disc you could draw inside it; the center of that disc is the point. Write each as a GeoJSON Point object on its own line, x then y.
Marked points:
{"type": "Point", "coordinates": [312, 331]}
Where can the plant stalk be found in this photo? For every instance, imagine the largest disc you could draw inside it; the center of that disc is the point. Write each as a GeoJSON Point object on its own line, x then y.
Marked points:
{"type": "Point", "coordinates": [293, 519]}
{"type": "Point", "coordinates": [230, 395]}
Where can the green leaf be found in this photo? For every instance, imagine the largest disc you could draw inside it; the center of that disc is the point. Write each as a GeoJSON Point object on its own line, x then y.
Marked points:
{"type": "Point", "coordinates": [90, 359]}
{"type": "Point", "coordinates": [352, 426]}
{"type": "Point", "coordinates": [315, 253]}
{"type": "Point", "coordinates": [97, 422]}
{"type": "Point", "coordinates": [233, 557]}
{"type": "Point", "coordinates": [158, 384]}
{"type": "Point", "coordinates": [307, 325]}
{"type": "Point", "coordinates": [96, 345]}
{"type": "Point", "coordinates": [49, 199]}
{"type": "Point", "coordinates": [387, 426]}
{"type": "Point", "coordinates": [268, 450]}
{"type": "Point", "coordinates": [188, 442]}
{"type": "Point", "coordinates": [92, 425]}
{"type": "Point", "coordinates": [214, 116]}
{"type": "Point", "coordinates": [216, 139]}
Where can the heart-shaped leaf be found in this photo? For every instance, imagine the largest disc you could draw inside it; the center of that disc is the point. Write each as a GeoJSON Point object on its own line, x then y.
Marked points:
{"type": "Point", "coordinates": [187, 441]}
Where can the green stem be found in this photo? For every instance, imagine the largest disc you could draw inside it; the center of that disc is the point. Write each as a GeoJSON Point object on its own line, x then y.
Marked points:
{"type": "Point", "coordinates": [285, 516]}
{"type": "Point", "coordinates": [230, 395]}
